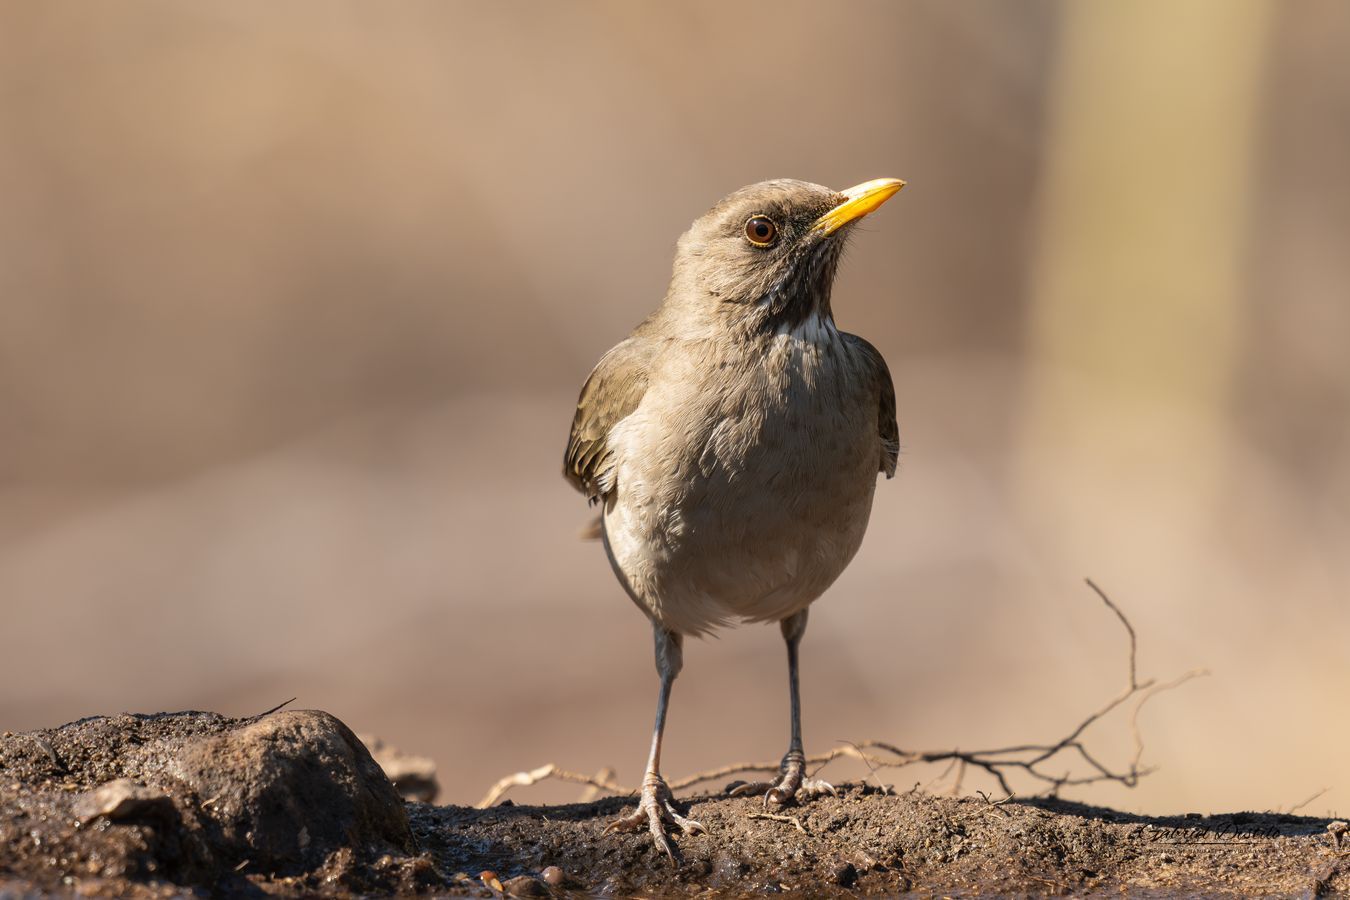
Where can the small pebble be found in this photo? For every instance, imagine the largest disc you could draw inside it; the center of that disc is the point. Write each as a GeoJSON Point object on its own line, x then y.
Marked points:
{"type": "Point", "coordinates": [524, 886]}
{"type": "Point", "coordinates": [846, 875]}
{"type": "Point", "coordinates": [490, 880]}
{"type": "Point", "coordinates": [553, 876]}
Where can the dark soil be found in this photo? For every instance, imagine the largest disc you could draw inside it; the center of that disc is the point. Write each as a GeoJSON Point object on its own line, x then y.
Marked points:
{"type": "Point", "coordinates": [292, 804]}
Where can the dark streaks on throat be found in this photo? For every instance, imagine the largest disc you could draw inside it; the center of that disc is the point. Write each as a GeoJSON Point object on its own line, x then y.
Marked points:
{"type": "Point", "coordinates": [804, 288]}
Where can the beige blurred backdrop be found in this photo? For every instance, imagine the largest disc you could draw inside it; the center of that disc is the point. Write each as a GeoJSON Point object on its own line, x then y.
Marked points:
{"type": "Point", "coordinates": [295, 300]}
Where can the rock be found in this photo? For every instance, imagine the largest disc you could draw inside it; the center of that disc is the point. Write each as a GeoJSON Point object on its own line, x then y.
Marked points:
{"type": "Point", "coordinates": [414, 777]}
{"type": "Point", "coordinates": [123, 799]}
{"type": "Point", "coordinates": [845, 875]}
{"type": "Point", "coordinates": [291, 788]}
{"type": "Point", "coordinates": [553, 876]}
{"type": "Point", "coordinates": [524, 886]}
{"type": "Point", "coordinates": [200, 799]}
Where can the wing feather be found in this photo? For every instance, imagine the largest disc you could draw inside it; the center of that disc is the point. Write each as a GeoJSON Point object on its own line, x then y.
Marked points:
{"type": "Point", "coordinates": [611, 393]}
{"type": "Point", "coordinates": [888, 430]}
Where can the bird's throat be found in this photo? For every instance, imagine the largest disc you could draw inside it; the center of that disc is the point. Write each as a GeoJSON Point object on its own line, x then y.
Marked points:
{"type": "Point", "coordinates": [802, 295]}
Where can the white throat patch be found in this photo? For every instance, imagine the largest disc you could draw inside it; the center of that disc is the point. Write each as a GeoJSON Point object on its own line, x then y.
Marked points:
{"type": "Point", "coordinates": [815, 329]}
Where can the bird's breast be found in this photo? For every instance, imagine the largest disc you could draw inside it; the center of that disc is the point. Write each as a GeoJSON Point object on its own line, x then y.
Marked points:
{"type": "Point", "coordinates": [745, 478]}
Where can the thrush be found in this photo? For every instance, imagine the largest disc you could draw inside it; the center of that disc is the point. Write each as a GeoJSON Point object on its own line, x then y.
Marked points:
{"type": "Point", "coordinates": [733, 442]}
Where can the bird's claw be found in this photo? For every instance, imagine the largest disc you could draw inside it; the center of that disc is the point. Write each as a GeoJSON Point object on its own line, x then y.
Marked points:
{"type": "Point", "coordinates": [656, 810]}
{"type": "Point", "coordinates": [792, 784]}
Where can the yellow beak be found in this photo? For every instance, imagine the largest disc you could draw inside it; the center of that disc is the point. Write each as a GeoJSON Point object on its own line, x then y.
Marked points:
{"type": "Point", "coordinates": [859, 201]}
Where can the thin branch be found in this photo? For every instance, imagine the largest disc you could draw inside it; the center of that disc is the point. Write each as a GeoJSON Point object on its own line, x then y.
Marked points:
{"type": "Point", "coordinates": [792, 820]}
{"type": "Point", "coordinates": [871, 769]}
{"type": "Point", "coordinates": [735, 769]}
{"type": "Point", "coordinates": [1297, 806]}
{"type": "Point", "coordinates": [1032, 761]}
{"type": "Point", "coordinates": [594, 791]}
{"type": "Point", "coordinates": [550, 771]}
{"type": "Point", "coordinates": [1144, 698]}
{"type": "Point", "coordinates": [283, 704]}
{"type": "Point", "coordinates": [960, 778]}
{"type": "Point", "coordinates": [1134, 641]}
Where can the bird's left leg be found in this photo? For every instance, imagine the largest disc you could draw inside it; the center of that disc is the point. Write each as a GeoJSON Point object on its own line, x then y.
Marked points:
{"type": "Point", "coordinates": [656, 807]}
{"type": "Point", "coordinates": [792, 782]}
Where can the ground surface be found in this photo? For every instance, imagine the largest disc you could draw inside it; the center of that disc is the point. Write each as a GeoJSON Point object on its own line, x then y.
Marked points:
{"type": "Point", "coordinates": [291, 803]}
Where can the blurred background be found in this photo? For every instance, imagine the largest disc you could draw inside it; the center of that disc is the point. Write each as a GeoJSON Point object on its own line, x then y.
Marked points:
{"type": "Point", "coordinates": [295, 301]}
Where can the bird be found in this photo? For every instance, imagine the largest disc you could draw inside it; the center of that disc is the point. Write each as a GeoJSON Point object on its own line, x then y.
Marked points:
{"type": "Point", "coordinates": [733, 443]}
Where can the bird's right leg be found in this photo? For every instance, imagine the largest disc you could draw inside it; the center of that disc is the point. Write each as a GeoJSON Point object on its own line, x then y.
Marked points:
{"type": "Point", "coordinates": [792, 783]}
{"type": "Point", "coordinates": [656, 808]}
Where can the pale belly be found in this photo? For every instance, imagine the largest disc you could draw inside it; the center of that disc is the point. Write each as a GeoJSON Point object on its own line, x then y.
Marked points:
{"type": "Point", "coordinates": [751, 515]}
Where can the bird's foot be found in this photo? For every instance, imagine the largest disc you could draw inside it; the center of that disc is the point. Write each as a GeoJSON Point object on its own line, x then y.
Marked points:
{"type": "Point", "coordinates": [792, 783]}
{"type": "Point", "coordinates": [656, 810]}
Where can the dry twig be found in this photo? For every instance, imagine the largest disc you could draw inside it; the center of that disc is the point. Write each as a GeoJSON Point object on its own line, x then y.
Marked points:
{"type": "Point", "coordinates": [550, 771]}
{"type": "Point", "coordinates": [594, 791]}
{"type": "Point", "coordinates": [1297, 806]}
{"type": "Point", "coordinates": [1027, 760]}
{"type": "Point", "coordinates": [791, 820]}
{"type": "Point", "coordinates": [282, 705]}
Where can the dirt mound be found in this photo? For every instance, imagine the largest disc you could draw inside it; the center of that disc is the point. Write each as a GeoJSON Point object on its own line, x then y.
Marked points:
{"type": "Point", "coordinates": [195, 799]}
{"type": "Point", "coordinates": [869, 842]}
{"type": "Point", "coordinates": [291, 803]}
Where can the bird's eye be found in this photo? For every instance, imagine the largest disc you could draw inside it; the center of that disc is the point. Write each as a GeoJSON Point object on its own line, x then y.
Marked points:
{"type": "Point", "coordinates": [761, 231]}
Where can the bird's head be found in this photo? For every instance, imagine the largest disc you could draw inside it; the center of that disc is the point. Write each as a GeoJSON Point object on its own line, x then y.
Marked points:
{"type": "Point", "coordinates": [765, 256]}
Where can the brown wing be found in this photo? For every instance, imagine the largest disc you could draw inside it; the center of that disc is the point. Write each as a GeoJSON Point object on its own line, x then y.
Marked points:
{"type": "Point", "coordinates": [610, 394]}
{"type": "Point", "coordinates": [887, 428]}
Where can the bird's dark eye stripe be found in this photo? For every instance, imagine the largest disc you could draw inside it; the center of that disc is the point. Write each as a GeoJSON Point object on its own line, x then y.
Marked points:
{"type": "Point", "coordinates": [761, 231]}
